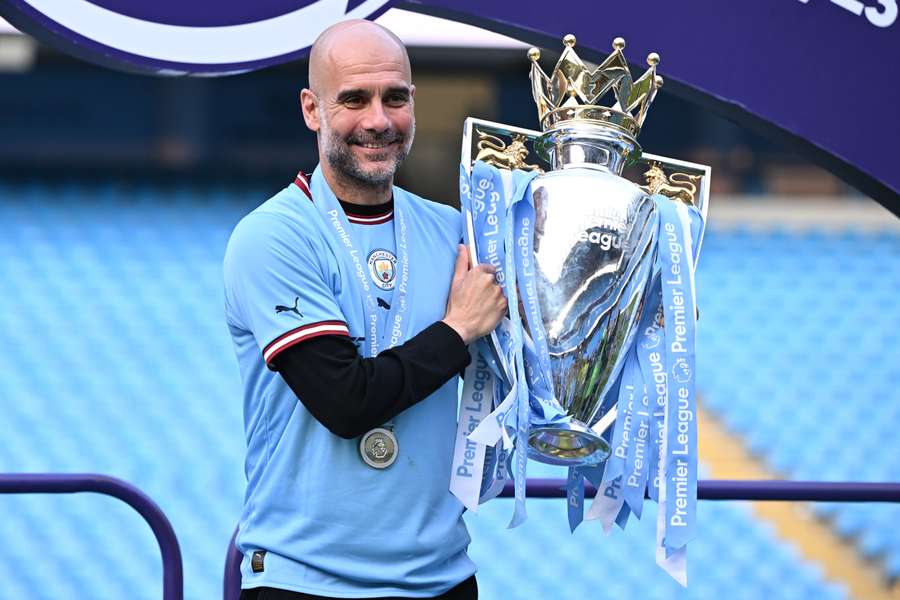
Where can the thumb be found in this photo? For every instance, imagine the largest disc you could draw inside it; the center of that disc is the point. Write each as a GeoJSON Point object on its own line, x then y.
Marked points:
{"type": "Point", "coordinates": [462, 262]}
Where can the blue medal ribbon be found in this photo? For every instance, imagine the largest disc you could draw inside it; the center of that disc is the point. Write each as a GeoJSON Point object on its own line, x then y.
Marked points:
{"type": "Point", "coordinates": [376, 333]}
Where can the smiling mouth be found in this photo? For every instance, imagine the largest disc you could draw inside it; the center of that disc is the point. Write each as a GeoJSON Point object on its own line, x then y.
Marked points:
{"type": "Point", "coordinates": [375, 145]}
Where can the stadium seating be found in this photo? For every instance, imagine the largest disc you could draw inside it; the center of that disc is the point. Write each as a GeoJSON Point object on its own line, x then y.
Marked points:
{"type": "Point", "coordinates": [797, 355]}
{"type": "Point", "coordinates": [118, 361]}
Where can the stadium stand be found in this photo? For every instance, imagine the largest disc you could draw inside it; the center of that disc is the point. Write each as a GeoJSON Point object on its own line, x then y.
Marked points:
{"type": "Point", "coordinates": [799, 360]}
{"type": "Point", "coordinates": [118, 362]}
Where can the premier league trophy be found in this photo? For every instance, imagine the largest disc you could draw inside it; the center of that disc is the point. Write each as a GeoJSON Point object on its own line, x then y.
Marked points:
{"type": "Point", "coordinates": [583, 229]}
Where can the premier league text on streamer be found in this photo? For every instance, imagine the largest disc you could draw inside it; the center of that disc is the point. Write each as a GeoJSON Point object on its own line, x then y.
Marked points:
{"type": "Point", "coordinates": [621, 450]}
{"type": "Point", "coordinates": [360, 273]}
{"type": "Point", "coordinates": [482, 376]}
{"type": "Point", "coordinates": [685, 415]}
{"type": "Point", "coordinates": [492, 231]}
{"type": "Point", "coordinates": [524, 243]}
{"type": "Point", "coordinates": [659, 381]}
{"type": "Point", "coordinates": [640, 444]}
{"type": "Point", "coordinates": [396, 328]}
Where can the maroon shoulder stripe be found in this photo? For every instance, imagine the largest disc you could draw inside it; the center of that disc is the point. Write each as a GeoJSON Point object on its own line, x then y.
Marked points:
{"type": "Point", "coordinates": [302, 182]}
{"type": "Point", "coordinates": [304, 332]}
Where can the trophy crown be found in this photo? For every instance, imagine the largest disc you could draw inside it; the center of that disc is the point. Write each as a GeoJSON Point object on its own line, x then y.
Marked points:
{"type": "Point", "coordinates": [574, 93]}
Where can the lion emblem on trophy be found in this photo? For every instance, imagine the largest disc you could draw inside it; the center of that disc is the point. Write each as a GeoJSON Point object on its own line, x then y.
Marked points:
{"type": "Point", "coordinates": [678, 186]}
{"type": "Point", "coordinates": [496, 152]}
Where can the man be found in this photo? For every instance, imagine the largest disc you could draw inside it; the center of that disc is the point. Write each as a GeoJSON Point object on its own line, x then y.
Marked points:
{"type": "Point", "coordinates": [350, 305]}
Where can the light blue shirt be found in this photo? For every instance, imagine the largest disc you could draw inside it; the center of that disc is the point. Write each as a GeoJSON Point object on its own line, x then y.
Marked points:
{"type": "Point", "coordinates": [330, 524]}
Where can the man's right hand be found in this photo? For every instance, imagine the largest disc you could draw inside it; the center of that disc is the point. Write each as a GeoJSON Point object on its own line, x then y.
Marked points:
{"type": "Point", "coordinates": [476, 302]}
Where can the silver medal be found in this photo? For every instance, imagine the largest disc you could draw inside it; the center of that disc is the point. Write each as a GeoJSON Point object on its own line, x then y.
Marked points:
{"type": "Point", "coordinates": [379, 448]}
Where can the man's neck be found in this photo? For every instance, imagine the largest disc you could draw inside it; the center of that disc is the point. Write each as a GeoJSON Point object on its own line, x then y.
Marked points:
{"type": "Point", "coordinates": [355, 193]}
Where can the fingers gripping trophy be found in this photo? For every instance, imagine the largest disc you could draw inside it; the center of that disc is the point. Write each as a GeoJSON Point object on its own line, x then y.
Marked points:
{"type": "Point", "coordinates": [594, 243]}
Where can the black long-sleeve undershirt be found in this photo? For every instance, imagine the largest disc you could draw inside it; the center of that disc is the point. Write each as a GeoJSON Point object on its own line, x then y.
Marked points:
{"type": "Point", "coordinates": [350, 395]}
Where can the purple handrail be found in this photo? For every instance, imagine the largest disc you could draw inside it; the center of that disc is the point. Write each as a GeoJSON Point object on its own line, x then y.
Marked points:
{"type": "Point", "coordinates": [763, 490]}
{"type": "Point", "coordinates": [715, 489]}
{"type": "Point", "coordinates": [55, 483]}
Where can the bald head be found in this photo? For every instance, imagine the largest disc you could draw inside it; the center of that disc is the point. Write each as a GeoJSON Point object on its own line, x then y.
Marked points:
{"type": "Point", "coordinates": [345, 43]}
{"type": "Point", "coordinates": [360, 104]}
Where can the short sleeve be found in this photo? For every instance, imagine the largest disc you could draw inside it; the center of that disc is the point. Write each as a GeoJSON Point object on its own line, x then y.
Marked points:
{"type": "Point", "coordinates": [278, 285]}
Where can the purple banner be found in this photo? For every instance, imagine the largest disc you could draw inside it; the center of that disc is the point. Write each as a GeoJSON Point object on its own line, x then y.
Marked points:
{"type": "Point", "coordinates": [812, 72]}
{"type": "Point", "coordinates": [819, 75]}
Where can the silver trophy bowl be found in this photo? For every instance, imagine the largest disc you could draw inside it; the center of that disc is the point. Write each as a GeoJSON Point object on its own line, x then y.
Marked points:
{"type": "Point", "coordinates": [594, 245]}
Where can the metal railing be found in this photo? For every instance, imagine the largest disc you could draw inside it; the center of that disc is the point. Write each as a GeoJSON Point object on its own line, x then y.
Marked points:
{"type": "Point", "coordinates": [56, 483]}
{"type": "Point", "coordinates": [715, 489]}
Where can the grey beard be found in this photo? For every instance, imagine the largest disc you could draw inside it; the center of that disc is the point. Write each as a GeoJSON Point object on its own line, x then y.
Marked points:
{"type": "Point", "coordinates": [342, 160]}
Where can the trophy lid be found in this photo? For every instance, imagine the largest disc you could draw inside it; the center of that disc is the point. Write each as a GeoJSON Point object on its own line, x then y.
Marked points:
{"type": "Point", "coordinates": [573, 93]}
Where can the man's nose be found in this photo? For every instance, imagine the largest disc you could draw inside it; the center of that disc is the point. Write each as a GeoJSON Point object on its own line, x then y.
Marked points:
{"type": "Point", "coordinates": [376, 117]}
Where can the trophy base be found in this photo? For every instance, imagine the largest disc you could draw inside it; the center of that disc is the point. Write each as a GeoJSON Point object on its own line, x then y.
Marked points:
{"type": "Point", "coordinates": [572, 445]}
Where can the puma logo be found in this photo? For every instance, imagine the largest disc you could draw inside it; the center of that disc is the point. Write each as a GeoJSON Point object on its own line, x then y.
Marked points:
{"type": "Point", "coordinates": [384, 304]}
{"type": "Point", "coordinates": [280, 308]}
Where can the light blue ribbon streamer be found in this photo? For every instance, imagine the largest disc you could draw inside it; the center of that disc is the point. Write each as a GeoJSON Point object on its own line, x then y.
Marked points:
{"type": "Point", "coordinates": [493, 202]}
{"type": "Point", "coordinates": [575, 497]}
{"type": "Point", "coordinates": [622, 517]}
{"type": "Point", "coordinates": [468, 208]}
{"type": "Point", "coordinates": [490, 214]}
{"type": "Point", "coordinates": [653, 369]}
{"type": "Point", "coordinates": [524, 222]}
{"type": "Point", "coordinates": [637, 463]}
{"type": "Point", "coordinates": [659, 369]}
{"type": "Point", "coordinates": [523, 408]}
{"type": "Point", "coordinates": [680, 329]}
{"type": "Point", "coordinates": [615, 464]}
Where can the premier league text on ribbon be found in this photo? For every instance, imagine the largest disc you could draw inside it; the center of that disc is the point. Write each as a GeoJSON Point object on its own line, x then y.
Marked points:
{"type": "Point", "coordinates": [472, 414]}
{"type": "Point", "coordinates": [490, 224]}
{"type": "Point", "coordinates": [684, 390]}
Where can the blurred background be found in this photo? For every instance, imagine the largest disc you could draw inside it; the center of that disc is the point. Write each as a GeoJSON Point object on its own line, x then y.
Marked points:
{"type": "Point", "coordinates": [117, 196]}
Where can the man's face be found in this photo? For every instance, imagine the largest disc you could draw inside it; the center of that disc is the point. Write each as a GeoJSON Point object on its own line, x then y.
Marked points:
{"type": "Point", "coordinates": [366, 123]}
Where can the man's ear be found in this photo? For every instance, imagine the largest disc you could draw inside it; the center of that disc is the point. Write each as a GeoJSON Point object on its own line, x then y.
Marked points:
{"type": "Point", "coordinates": [309, 105]}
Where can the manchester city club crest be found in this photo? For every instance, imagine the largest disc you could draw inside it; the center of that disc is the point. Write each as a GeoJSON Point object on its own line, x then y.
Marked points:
{"type": "Point", "coordinates": [383, 268]}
